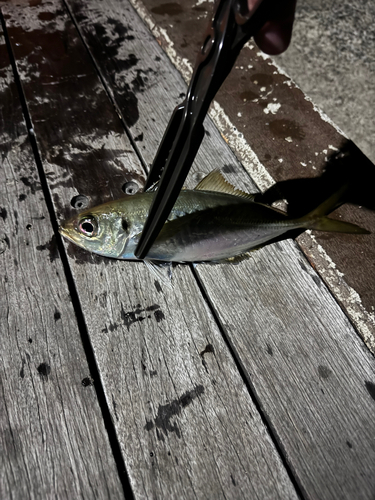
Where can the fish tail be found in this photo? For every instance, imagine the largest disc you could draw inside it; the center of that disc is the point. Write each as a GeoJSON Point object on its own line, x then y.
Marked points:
{"type": "Point", "coordinates": [337, 226]}
{"type": "Point", "coordinates": [318, 220]}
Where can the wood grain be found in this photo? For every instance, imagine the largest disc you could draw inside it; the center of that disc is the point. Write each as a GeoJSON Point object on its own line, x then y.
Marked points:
{"type": "Point", "coordinates": [303, 151]}
{"type": "Point", "coordinates": [301, 355]}
{"type": "Point", "coordinates": [53, 439]}
{"type": "Point", "coordinates": [182, 412]}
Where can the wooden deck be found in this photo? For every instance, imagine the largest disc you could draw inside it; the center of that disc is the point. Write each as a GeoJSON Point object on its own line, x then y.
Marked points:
{"type": "Point", "coordinates": [254, 380]}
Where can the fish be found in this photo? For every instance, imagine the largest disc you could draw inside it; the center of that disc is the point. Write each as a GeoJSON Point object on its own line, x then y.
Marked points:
{"type": "Point", "coordinates": [212, 223]}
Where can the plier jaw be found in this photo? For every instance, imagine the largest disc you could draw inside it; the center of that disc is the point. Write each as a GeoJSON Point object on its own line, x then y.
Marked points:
{"type": "Point", "coordinates": [231, 26]}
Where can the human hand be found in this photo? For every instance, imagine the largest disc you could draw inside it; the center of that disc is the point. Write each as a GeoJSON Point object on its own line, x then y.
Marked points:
{"type": "Point", "coordinates": [275, 35]}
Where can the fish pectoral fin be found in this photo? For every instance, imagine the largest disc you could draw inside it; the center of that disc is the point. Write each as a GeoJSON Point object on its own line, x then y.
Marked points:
{"type": "Point", "coordinates": [153, 187]}
{"type": "Point", "coordinates": [215, 181]}
{"type": "Point", "coordinates": [162, 270]}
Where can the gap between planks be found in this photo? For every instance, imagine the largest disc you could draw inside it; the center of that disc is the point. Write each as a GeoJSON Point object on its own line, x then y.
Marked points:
{"type": "Point", "coordinates": [363, 320]}
{"type": "Point", "coordinates": [82, 327]}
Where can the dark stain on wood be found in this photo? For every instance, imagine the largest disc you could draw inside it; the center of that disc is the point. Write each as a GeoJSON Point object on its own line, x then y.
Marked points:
{"type": "Point", "coordinates": [262, 79]}
{"type": "Point", "coordinates": [303, 267]}
{"type": "Point", "coordinates": [168, 9]}
{"type": "Point", "coordinates": [82, 256]}
{"type": "Point", "coordinates": [248, 95]}
{"type": "Point", "coordinates": [317, 280]}
{"type": "Point", "coordinates": [269, 350]}
{"type": "Point", "coordinates": [284, 128]}
{"type": "Point", "coordinates": [229, 169]}
{"type": "Point", "coordinates": [157, 286]}
{"type": "Point", "coordinates": [4, 243]}
{"type": "Point", "coordinates": [159, 315]}
{"type": "Point", "coordinates": [114, 404]}
{"type": "Point", "coordinates": [208, 349]}
{"type": "Point", "coordinates": [104, 47]}
{"type": "Point", "coordinates": [324, 372]}
{"type": "Point", "coordinates": [131, 317]}
{"type": "Point", "coordinates": [110, 328]}
{"type": "Point", "coordinates": [51, 246]}
{"type": "Point", "coordinates": [3, 213]}
{"type": "Point", "coordinates": [166, 412]}
{"type": "Point", "coordinates": [55, 60]}
{"type": "Point", "coordinates": [46, 16]}
{"type": "Point", "coordinates": [120, 29]}
{"type": "Point", "coordinates": [15, 213]}
{"type": "Point", "coordinates": [57, 315]}
{"type": "Point", "coordinates": [370, 386]}
{"type": "Point", "coordinates": [44, 370]}
{"type": "Point", "coordinates": [87, 382]}
{"type": "Point", "coordinates": [22, 371]}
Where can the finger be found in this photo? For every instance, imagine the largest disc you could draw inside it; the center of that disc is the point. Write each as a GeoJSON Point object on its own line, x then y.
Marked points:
{"type": "Point", "coordinates": [274, 37]}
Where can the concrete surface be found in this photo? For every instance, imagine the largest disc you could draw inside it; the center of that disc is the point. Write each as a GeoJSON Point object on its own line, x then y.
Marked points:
{"type": "Point", "coordinates": [332, 59]}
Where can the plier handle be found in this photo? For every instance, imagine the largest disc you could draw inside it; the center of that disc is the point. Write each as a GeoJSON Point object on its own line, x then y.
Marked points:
{"type": "Point", "coordinates": [231, 26]}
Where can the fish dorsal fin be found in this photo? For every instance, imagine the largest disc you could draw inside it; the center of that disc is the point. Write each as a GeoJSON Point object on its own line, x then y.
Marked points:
{"type": "Point", "coordinates": [215, 181]}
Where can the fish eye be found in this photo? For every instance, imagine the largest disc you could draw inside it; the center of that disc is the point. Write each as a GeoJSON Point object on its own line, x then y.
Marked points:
{"type": "Point", "coordinates": [88, 226]}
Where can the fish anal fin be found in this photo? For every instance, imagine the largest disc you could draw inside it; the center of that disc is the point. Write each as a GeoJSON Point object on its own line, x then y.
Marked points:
{"type": "Point", "coordinates": [215, 181]}
{"type": "Point", "coordinates": [237, 259]}
{"type": "Point", "coordinates": [162, 270]}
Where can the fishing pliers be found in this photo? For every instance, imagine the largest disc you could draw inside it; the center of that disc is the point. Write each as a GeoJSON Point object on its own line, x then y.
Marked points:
{"type": "Point", "coordinates": [232, 25]}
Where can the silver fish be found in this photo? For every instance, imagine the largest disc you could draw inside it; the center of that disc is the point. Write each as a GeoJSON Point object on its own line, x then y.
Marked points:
{"type": "Point", "coordinates": [213, 222]}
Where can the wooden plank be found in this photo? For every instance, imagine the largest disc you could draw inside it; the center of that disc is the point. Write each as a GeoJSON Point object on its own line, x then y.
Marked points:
{"type": "Point", "coordinates": [289, 334]}
{"type": "Point", "coordinates": [307, 367]}
{"type": "Point", "coordinates": [182, 412]}
{"type": "Point", "coordinates": [295, 145]}
{"type": "Point", "coordinates": [53, 439]}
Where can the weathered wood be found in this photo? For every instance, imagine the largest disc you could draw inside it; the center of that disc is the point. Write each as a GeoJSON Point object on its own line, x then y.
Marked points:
{"type": "Point", "coordinates": [184, 418]}
{"type": "Point", "coordinates": [274, 308]}
{"type": "Point", "coordinates": [53, 441]}
{"type": "Point", "coordinates": [307, 367]}
{"type": "Point", "coordinates": [292, 139]}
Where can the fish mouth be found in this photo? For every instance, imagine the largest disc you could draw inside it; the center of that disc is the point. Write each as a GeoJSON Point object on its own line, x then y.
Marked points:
{"type": "Point", "coordinates": [62, 231]}
{"type": "Point", "coordinates": [66, 233]}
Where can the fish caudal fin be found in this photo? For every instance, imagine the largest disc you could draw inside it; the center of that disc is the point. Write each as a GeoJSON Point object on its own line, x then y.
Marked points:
{"type": "Point", "coordinates": [318, 220]}
{"type": "Point", "coordinates": [337, 226]}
